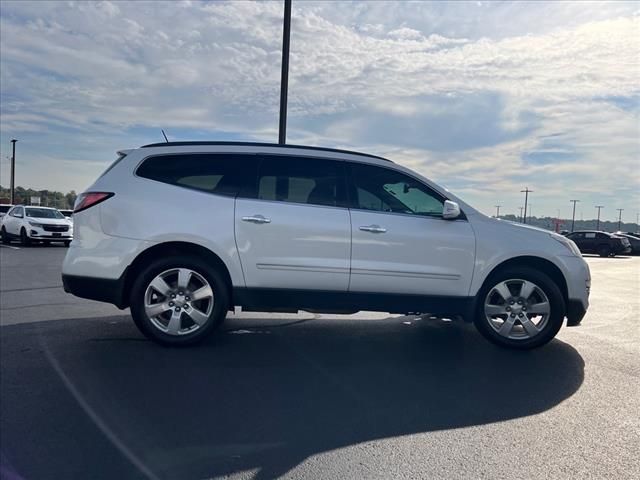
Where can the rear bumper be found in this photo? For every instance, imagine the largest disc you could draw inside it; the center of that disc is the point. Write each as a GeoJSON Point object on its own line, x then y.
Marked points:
{"type": "Point", "coordinates": [575, 312]}
{"type": "Point", "coordinates": [100, 289]}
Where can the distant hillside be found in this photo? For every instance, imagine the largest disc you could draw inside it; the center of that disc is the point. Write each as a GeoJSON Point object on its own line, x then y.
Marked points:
{"type": "Point", "coordinates": [48, 198]}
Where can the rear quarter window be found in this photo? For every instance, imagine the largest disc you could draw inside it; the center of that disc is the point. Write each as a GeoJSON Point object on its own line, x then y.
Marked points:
{"type": "Point", "coordinates": [220, 174]}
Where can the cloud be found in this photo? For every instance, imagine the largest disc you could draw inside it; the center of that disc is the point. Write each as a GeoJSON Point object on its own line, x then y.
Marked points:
{"type": "Point", "coordinates": [484, 97]}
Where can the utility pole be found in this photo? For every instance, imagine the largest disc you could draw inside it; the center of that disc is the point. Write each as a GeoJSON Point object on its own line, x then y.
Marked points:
{"type": "Point", "coordinates": [573, 218]}
{"type": "Point", "coordinates": [284, 76]}
{"type": "Point", "coordinates": [526, 192]}
{"type": "Point", "coordinates": [599, 207]}
{"type": "Point", "coordinates": [619, 216]}
{"type": "Point", "coordinates": [13, 172]}
{"type": "Point", "coordinates": [521, 208]}
{"type": "Point", "coordinates": [498, 210]}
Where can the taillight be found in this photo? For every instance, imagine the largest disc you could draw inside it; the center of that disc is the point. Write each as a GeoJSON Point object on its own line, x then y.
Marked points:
{"type": "Point", "coordinates": [89, 199]}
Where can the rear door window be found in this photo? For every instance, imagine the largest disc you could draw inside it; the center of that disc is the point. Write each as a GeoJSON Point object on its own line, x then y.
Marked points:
{"type": "Point", "coordinates": [311, 181]}
{"type": "Point", "coordinates": [219, 173]}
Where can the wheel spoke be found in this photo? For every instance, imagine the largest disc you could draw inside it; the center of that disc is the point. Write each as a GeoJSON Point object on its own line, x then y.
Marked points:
{"type": "Point", "coordinates": [156, 309]}
{"type": "Point", "coordinates": [527, 289]}
{"type": "Point", "coordinates": [529, 326]}
{"type": "Point", "coordinates": [202, 293]}
{"type": "Point", "coordinates": [197, 316]}
{"type": "Point", "coordinates": [184, 277]}
{"type": "Point", "coordinates": [493, 310]}
{"type": "Point", "coordinates": [160, 285]}
{"type": "Point", "coordinates": [175, 324]}
{"type": "Point", "coordinates": [507, 326]}
{"type": "Point", "coordinates": [541, 308]}
{"type": "Point", "coordinates": [503, 290]}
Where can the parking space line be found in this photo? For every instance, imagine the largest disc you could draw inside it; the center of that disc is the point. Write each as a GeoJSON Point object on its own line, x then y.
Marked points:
{"type": "Point", "coordinates": [9, 246]}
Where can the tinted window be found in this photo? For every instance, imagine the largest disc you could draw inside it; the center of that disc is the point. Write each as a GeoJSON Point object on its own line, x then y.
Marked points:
{"type": "Point", "coordinates": [4, 208]}
{"type": "Point", "coordinates": [17, 212]}
{"type": "Point", "coordinates": [385, 190]}
{"type": "Point", "coordinates": [301, 180]}
{"type": "Point", "coordinates": [576, 236]}
{"type": "Point", "coordinates": [589, 235]}
{"type": "Point", "coordinates": [222, 174]}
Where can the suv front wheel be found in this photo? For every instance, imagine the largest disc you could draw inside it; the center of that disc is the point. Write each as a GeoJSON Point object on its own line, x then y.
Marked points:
{"type": "Point", "coordinates": [520, 308]}
{"type": "Point", "coordinates": [179, 300]}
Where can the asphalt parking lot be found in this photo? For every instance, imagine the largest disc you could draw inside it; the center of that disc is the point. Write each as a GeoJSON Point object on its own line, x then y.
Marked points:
{"type": "Point", "coordinates": [84, 395]}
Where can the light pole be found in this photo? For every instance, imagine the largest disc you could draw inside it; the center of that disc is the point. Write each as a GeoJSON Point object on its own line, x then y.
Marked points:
{"type": "Point", "coordinates": [284, 76]}
{"type": "Point", "coordinates": [599, 207]}
{"type": "Point", "coordinates": [13, 171]}
{"type": "Point", "coordinates": [573, 218]}
{"type": "Point", "coordinates": [498, 210]}
{"type": "Point", "coordinates": [526, 192]}
{"type": "Point", "coordinates": [619, 216]}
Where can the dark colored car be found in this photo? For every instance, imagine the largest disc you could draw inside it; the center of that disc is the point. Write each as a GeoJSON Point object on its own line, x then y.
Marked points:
{"type": "Point", "coordinates": [634, 240]}
{"type": "Point", "coordinates": [603, 243]}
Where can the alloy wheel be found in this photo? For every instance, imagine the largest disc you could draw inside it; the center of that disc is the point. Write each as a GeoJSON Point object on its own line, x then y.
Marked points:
{"type": "Point", "coordinates": [179, 301]}
{"type": "Point", "coordinates": [517, 309]}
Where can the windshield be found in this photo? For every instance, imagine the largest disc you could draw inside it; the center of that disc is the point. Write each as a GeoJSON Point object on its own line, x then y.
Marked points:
{"type": "Point", "coordinates": [43, 213]}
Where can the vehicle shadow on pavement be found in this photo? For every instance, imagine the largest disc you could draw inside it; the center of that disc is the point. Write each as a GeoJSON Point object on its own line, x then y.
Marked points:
{"type": "Point", "coordinates": [103, 402]}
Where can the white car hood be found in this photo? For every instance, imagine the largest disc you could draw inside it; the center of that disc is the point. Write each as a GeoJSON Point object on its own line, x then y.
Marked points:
{"type": "Point", "coordinates": [49, 221]}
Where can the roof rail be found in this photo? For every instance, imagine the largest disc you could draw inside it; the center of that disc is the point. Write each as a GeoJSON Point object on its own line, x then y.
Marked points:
{"type": "Point", "coordinates": [259, 144]}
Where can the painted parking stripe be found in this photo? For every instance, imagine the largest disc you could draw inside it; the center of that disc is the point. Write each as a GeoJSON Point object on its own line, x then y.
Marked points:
{"type": "Point", "coordinates": [9, 246]}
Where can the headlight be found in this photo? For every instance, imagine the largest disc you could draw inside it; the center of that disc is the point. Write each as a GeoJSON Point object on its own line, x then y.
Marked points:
{"type": "Point", "coordinates": [34, 224]}
{"type": "Point", "coordinates": [569, 244]}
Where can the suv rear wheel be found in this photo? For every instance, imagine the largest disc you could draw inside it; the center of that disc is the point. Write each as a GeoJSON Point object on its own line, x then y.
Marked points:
{"type": "Point", "coordinates": [520, 308]}
{"type": "Point", "coordinates": [604, 250]}
{"type": "Point", "coordinates": [179, 300]}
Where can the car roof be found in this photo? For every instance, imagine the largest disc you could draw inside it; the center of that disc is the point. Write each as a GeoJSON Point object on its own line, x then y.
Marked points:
{"type": "Point", "coordinates": [259, 144]}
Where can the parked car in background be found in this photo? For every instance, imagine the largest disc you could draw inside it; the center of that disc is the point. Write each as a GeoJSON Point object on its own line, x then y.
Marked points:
{"type": "Point", "coordinates": [67, 213]}
{"type": "Point", "coordinates": [182, 232]}
{"type": "Point", "coordinates": [601, 243]}
{"type": "Point", "coordinates": [634, 241]}
{"type": "Point", "coordinates": [29, 224]}
{"type": "Point", "coordinates": [4, 208]}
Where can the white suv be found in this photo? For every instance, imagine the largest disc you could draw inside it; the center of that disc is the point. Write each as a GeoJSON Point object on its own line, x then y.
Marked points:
{"type": "Point", "coordinates": [29, 224]}
{"type": "Point", "coordinates": [182, 232]}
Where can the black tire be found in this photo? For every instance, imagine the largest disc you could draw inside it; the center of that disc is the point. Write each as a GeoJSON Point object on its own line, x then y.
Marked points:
{"type": "Point", "coordinates": [5, 237]}
{"type": "Point", "coordinates": [550, 289]}
{"type": "Point", "coordinates": [46, 243]}
{"type": "Point", "coordinates": [67, 243]}
{"type": "Point", "coordinates": [144, 278]}
{"type": "Point", "coordinates": [25, 241]}
{"type": "Point", "coordinates": [604, 250]}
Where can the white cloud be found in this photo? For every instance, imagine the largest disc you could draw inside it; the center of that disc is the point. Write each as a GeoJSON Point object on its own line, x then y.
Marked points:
{"type": "Point", "coordinates": [495, 81]}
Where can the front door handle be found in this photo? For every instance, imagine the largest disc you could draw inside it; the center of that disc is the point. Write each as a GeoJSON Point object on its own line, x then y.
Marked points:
{"type": "Point", "coordinates": [373, 228]}
{"type": "Point", "coordinates": [256, 219]}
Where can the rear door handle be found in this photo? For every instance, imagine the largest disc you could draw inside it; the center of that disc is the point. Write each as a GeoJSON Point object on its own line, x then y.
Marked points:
{"type": "Point", "coordinates": [373, 228]}
{"type": "Point", "coordinates": [256, 219]}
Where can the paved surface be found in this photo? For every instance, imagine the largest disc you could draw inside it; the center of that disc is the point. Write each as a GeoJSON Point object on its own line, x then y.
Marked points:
{"type": "Point", "coordinates": [312, 397]}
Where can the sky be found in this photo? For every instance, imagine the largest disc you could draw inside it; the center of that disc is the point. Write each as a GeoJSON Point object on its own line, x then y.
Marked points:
{"type": "Point", "coordinates": [485, 98]}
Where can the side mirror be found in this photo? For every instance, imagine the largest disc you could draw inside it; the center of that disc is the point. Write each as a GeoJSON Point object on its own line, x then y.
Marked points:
{"type": "Point", "coordinates": [450, 210]}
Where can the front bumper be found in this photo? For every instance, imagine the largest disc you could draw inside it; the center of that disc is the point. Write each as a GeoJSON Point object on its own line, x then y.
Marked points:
{"type": "Point", "coordinates": [39, 233]}
{"type": "Point", "coordinates": [575, 313]}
